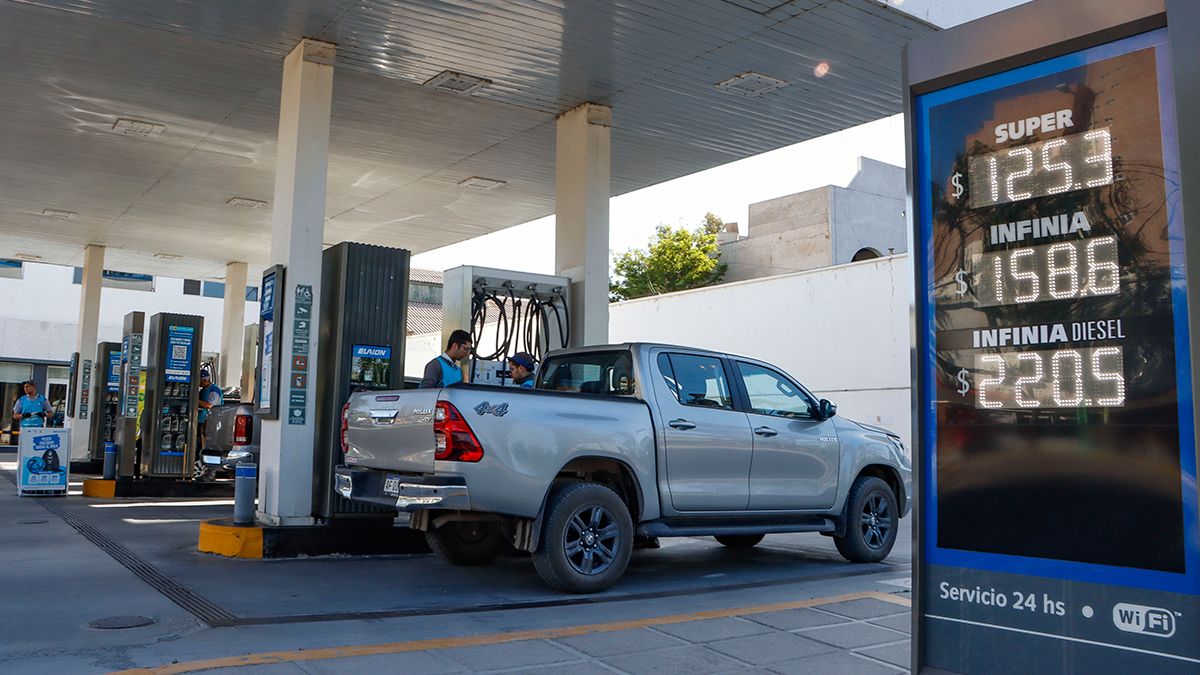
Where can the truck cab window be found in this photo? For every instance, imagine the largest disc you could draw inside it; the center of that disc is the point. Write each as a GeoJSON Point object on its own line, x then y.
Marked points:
{"type": "Point", "coordinates": [608, 373]}
{"type": "Point", "coordinates": [772, 394]}
{"type": "Point", "coordinates": [700, 381]}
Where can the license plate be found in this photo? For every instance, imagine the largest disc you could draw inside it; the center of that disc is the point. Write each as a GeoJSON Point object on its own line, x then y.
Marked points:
{"type": "Point", "coordinates": [391, 486]}
{"type": "Point", "coordinates": [210, 459]}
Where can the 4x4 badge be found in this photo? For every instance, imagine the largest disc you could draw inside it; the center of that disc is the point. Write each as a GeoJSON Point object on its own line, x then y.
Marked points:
{"type": "Point", "coordinates": [486, 408]}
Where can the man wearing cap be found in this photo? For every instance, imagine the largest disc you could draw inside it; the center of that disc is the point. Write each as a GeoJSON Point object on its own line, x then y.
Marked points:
{"type": "Point", "coordinates": [210, 397]}
{"type": "Point", "coordinates": [32, 409]}
{"type": "Point", "coordinates": [521, 366]}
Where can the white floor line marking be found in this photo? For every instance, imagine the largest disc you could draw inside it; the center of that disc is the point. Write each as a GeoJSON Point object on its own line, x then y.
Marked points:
{"type": "Point", "coordinates": [1065, 637]}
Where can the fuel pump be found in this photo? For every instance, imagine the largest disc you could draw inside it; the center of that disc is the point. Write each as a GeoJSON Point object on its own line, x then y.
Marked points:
{"type": "Point", "coordinates": [172, 385]}
{"type": "Point", "coordinates": [106, 407]}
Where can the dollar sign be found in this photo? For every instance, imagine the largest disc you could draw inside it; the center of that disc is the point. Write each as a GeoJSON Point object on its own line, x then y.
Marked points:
{"type": "Point", "coordinates": [963, 385]}
{"type": "Point", "coordinates": [956, 181]}
{"type": "Point", "coordinates": [961, 279]}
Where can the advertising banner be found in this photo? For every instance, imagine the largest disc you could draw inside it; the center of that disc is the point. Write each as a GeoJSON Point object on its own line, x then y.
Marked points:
{"type": "Point", "coordinates": [180, 340]}
{"type": "Point", "coordinates": [370, 367]}
{"type": "Point", "coordinates": [112, 379]}
{"type": "Point", "coordinates": [43, 461]}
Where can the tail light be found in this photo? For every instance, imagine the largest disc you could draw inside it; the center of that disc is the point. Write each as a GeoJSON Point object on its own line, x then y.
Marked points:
{"type": "Point", "coordinates": [345, 426]}
{"type": "Point", "coordinates": [243, 429]}
{"type": "Point", "coordinates": [453, 436]}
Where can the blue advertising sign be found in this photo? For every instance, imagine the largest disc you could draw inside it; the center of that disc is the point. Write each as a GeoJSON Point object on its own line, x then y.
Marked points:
{"type": "Point", "coordinates": [43, 458]}
{"type": "Point", "coordinates": [112, 378]}
{"type": "Point", "coordinates": [180, 340]}
{"type": "Point", "coordinates": [1058, 492]}
{"type": "Point", "coordinates": [266, 306]}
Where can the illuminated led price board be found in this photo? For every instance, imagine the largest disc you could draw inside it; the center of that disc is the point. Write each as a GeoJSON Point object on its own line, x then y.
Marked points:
{"type": "Point", "coordinates": [1057, 514]}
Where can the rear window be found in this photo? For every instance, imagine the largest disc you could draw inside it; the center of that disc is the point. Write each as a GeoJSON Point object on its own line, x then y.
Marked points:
{"type": "Point", "coordinates": [607, 373]}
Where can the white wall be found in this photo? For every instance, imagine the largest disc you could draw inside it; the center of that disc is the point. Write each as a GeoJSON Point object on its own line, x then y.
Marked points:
{"type": "Point", "coordinates": [842, 331]}
{"type": "Point", "coordinates": [39, 313]}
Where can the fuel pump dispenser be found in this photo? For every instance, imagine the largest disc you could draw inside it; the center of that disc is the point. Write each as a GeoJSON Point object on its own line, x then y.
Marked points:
{"type": "Point", "coordinates": [172, 384]}
{"type": "Point", "coordinates": [507, 312]}
{"type": "Point", "coordinates": [129, 405]}
{"type": "Point", "coordinates": [362, 328]}
{"type": "Point", "coordinates": [107, 399]}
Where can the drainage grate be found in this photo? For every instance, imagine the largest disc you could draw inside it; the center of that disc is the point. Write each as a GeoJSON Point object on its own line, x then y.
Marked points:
{"type": "Point", "coordinates": [199, 607]}
{"type": "Point", "coordinates": [120, 622]}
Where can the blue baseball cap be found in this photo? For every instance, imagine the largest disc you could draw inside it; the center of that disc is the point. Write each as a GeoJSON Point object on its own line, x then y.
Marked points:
{"type": "Point", "coordinates": [523, 359]}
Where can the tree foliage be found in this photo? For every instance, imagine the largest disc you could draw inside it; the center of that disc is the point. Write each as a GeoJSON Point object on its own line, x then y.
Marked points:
{"type": "Point", "coordinates": [675, 260]}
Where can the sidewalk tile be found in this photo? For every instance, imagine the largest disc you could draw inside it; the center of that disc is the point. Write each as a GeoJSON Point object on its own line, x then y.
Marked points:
{"type": "Point", "coordinates": [708, 630]}
{"type": "Point", "coordinates": [612, 643]}
{"type": "Point", "coordinates": [405, 662]}
{"type": "Point", "coordinates": [898, 655]}
{"type": "Point", "coordinates": [854, 635]}
{"type": "Point", "coordinates": [900, 622]}
{"type": "Point", "coordinates": [770, 648]}
{"type": "Point", "coordinates": [866, 608]}
{"type": "Point", "coordinates": [838, 663]}
{"type": "Point", "coordinates": [791, 619]}
{"type": "Point", "coordinates": [690, 659]}
{"type": "Point", "coordinates": [508, 655]}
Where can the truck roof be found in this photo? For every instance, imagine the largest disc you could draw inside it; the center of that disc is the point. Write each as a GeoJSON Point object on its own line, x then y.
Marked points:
{"type": "Point", "coordinates": [641, 346]}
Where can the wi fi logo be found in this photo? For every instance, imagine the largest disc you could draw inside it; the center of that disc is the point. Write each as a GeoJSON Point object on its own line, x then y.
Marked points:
{"type": "Point", "coordinates": [1144, 620]}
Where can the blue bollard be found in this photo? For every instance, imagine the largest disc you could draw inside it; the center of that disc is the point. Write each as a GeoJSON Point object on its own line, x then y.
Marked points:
{"type": "Point", "coordinates": [245, 489]}
{"type": "Point", "coordinates": [110, 461]}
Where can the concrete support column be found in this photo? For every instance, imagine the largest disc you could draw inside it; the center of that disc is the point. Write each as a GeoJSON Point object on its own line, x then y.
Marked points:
{"type": "Point", "coordinates": [232, 320]}
{"type": "Point", "coordinates": [581, 192]}
{"type": "Point", "coordinates": [85, 344]}
{"type": "Point", "coordinates": [298, 226]}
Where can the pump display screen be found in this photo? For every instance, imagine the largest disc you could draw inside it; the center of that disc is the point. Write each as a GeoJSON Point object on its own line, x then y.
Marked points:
{"type": "Point", "coordinates": [1058, 406]}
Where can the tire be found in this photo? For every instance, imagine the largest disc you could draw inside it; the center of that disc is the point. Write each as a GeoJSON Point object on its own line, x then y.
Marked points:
{"type": "Point", "coordinates": [467, 544]}
{"type": "Point", "coordinates": [739, 540]}
{"type": "Point", "coordinates": [587, 538]}
{"type": "Point", "coordinates": [871, 520]}
{"type": "Point", "coordinates": [202, 473]}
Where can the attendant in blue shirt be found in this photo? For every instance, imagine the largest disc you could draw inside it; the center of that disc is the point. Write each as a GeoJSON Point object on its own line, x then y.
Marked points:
{"type": "Point", "coordinates": [210, 394]}
{"type": "Point", "coordinates": [521, 366]}
{"type": "Point", "coordinates": [32, 409]}
{"type": "Point", "coordinates": [444, 370]}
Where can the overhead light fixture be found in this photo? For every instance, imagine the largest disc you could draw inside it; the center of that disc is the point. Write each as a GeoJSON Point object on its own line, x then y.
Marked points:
{"type": "Point", "coordinates": [128, 127]}
{"type": "Point", "coordinates": [822, 69]}
{"type": "Point", "coordinates": [27, 256]}
{"type": "Point", "coordinates": [456, 83]}
{"type": "Point", "coordinates": [57, 213]}
{"type": "Point", "coordinates": [482, 184]}
{"type": "Point", "coordinates": [168, 256]}
{"type": "Point", "coordinates": [246, 202]}
{"type": "Point", "coordinates": [751, 84]}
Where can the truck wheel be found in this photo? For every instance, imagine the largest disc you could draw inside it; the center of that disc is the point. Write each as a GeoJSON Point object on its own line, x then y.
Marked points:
{"type": "Point", "coordinates": [740, 540]}
{"type": "Point", "coordinates": [466, 543]}
{"type": "Point", "coordinates": [587, 537]}
{"type": "Point", "coordinates": [872, 518]}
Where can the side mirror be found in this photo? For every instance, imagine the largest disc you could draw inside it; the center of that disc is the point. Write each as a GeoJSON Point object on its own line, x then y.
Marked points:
{"type": "Point", "coordinates": [826, 409]}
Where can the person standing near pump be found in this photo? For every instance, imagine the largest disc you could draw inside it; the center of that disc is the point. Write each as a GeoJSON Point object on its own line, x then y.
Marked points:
{"type": "Point", "coordinates": [521, 366]}
{"type": "Point", "coordinates": [210, 397]}
{"type": "Point", "coordinates": [32, 409]}
{"type": "Point", "coordinates": [444, 370]}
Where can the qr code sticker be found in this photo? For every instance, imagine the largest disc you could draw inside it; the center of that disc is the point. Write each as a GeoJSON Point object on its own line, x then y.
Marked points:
{"type": "Point", "coordinates": [179, 352]}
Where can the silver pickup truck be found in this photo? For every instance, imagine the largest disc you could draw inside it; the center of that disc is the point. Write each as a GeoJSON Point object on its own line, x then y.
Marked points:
{"type": "Point", "coordinates": [622, 441]}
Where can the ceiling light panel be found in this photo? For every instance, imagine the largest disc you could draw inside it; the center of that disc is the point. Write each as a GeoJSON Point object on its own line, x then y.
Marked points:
{"type": "Point", "coordinates": [456, 83]}
{"type": "Point", "coordinates": [751, 84]}
{"type": "Point", "coordinates": [246, 202]}
{"type": "Point", "coordinates": [129, 127]}
{"type": "Point", "coordinates": [482, 184]}
{"type": "Point", "coordinates": [56, 213]}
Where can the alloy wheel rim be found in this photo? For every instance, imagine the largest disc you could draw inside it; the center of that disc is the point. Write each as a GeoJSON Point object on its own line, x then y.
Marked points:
{"type": "Point", "coordinates": [876, 521]}
{"type": "Point", "coordinates": [591, 540]}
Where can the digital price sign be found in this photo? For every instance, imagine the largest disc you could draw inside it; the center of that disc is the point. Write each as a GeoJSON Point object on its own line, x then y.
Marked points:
{"type": "Point", "coordinates": [1055, 409]}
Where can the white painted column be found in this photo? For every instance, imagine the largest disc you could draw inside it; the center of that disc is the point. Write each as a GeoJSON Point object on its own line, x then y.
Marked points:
{"type": "Point", "coordinates": [233, 319]}
{"type": "Point", "coordinates": [298, 225]}
{"type": "Point", "coordinates": [85, 344]}
{"type": "Point", "coordinates": [581, 192]}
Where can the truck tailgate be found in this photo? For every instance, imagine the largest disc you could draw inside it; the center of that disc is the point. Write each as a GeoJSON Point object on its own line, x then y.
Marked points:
{"type": "Point", "coordinates": [392, 430]}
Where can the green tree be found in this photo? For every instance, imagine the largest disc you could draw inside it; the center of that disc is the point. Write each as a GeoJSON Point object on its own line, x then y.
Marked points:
{"type": "Point", "coordinates": [675, 260]}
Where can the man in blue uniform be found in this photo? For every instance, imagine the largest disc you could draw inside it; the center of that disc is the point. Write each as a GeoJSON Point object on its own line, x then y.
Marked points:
{"type": "Point", "coordinates": [444, 370]}
{"type": "Point", "coordinates": [521, 366]}
{"type": "Point", "coordinates": [210, 397]}
{"type": "Point", "coordinates": [32, 409]}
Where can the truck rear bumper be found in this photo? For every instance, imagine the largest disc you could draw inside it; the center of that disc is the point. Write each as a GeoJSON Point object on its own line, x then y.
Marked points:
{"type": "Point", "coordinates": [402, 492]}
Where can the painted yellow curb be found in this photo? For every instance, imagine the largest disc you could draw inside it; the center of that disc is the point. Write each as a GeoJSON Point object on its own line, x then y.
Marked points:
{"type": "Point", "coordinates": [101, 489]}
{"type": "Point", "coordinates": [230, 541]}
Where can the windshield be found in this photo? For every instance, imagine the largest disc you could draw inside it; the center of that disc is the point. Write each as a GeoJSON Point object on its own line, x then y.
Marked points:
{"type": "Point", "coordinates": [608, 373]}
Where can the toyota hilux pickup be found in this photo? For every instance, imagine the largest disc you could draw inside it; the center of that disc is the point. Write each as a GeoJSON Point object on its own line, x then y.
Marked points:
{"type": "Point", "coordinates": [624, 441]}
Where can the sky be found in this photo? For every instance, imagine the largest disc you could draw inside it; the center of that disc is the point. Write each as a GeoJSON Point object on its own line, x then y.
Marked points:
{"type": "Point", "coordinates": [726, 190]}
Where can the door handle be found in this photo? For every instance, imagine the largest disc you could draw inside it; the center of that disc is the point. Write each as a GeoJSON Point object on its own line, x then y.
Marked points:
{"type": "Point", "coordinates": [766, 432]}
{"type": "Point", "coordinates": [681, 424]}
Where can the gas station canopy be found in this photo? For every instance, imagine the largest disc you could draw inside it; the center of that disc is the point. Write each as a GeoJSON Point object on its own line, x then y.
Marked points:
{"type": "Point", "coordinates": [149, 126]}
